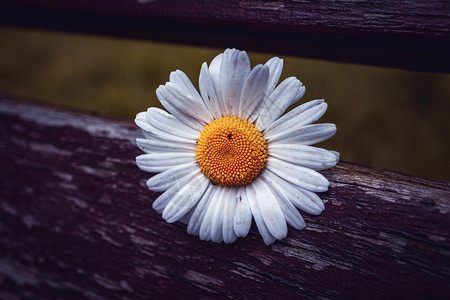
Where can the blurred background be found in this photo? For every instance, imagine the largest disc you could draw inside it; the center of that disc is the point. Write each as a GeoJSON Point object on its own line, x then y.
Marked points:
{"type": "Point", "coordinates": [386, 118]}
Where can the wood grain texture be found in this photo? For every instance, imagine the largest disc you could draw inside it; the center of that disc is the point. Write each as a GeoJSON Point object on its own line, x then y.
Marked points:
{"type": "Point", "coordinates": [76, 222]}
{"type": "Point", "coordinates": [411, 34]}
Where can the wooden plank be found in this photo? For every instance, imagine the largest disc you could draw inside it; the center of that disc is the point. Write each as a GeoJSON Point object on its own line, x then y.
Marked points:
{"type": "Point", "coordinates": [76, 220]}
{"type": "Point", "coordinates": [411, 34]}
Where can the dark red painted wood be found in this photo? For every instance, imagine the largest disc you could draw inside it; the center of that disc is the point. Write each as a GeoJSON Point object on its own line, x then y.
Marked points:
{"type": "Point", "coordinates": [412, 34]}
{"type": "Point", "coordinates": [76, 222]}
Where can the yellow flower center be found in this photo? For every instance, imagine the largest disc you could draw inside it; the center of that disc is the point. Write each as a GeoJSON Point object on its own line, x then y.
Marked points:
{"type": "Point", "coordinates": [231, 151]}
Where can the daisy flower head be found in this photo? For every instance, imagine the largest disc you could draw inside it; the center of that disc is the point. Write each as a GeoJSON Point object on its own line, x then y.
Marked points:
{"type": "Point", "coordinates": [227, 156]}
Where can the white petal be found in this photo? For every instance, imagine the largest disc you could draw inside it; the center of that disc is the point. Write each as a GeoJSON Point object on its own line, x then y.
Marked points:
{"type": "Point", "coordinates": [299, 95]}
{"type": "Point", "coordinates": [180, 98]}
{"type": "Point", "coordinates": [187, 217]}
{"type": "Point", "coordinates": [337, 154]}
{"type": "Point", "coordinates": [163, 137]}
{"type": "Point", "coordinates": [217, 216]}
{"type": "Point", "coordinates": [217, 223]}
{"type": "Point", "coordinates": [161, 162]}
{"type": "Point", "coordinates": [168, 123]}
{"type": "Point", "coordinates": [298, 175]}
{"type": "Point", "coordinates": [229, 210]}
{"type": "Point", "coordinates": [142, 122]}
{"type": "Point", "coordinates": [262, 228]}
{"type": "Point", "coordinates": [270, 210]}
{"type": "Point", "coordinates": [275, 66]}
{"type": "Point", "coordinates": [253, 90]}
{"type": "Point", "coordinates": [302, 115]}
{"type": "Point", "coordinates": [185, 198]}
{"type": "Point", "coordinates": [162, 181]}
{"type": "Point", "coordinates": [185, 86]}
{"type": "Point", "coordinates": [234, 70]}
{"type": "Point", "coordinates": [158, 146]}
{"type": "Point", "coordinates": [149, 135]}
{"type": "Point", "coordinates": [302, 155]}
{"type": "Point", "coordinates": [306, 135]}
{"type": "Point", "coordinates": [314, 197]}
{"type": "Point", "coordinates": [154, 133]}
{"type": "Point", "coordinates": [214, 72]}
{"type": "Point", "coordinates": [209, 92]}
{"type": "Point", "coordinates": [296, 195]}
{"type": "Point", "coordinates": [200, 211]}
{"type": "Point", "coordinates": [161, 202]}
{"type": "Point", "coordinates": [290, 212]}
{"type": "Point", "coordinates": [211, 227]}
{"type": "Point", "coordinates": [172, 106]}
{"type": "Point", "coordinates": [204, 231]}
{"type": "Point", "coordinates": [222, 73]}
{"type": "Point", "coordinates": [178, 77]}
{"type": "Point", "coordinates": [278, 101]}
{"type": "Point", "coordinates": [243, 216]}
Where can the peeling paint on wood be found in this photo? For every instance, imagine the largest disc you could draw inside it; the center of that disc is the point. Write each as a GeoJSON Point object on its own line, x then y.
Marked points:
{"type": "Point", "coordinates": [76, 220]}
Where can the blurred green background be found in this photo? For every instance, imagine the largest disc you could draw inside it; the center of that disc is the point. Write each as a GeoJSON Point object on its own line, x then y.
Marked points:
{"type": "Point", "coordinates": [386, 118]}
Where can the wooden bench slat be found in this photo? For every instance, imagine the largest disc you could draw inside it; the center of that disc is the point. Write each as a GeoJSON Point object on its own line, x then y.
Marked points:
{"type": "Point", "coordinates": [411, 34]}
{"type": "Point", "coordinates": [76, 220]}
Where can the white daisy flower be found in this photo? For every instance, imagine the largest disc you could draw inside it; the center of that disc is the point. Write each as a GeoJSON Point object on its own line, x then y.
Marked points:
{"type": "Point", "coordinates": [227, 156]}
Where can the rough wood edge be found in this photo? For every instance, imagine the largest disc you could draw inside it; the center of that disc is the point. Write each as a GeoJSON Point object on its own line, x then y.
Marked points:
{"type": "Point", "coordinates": [411, 34]}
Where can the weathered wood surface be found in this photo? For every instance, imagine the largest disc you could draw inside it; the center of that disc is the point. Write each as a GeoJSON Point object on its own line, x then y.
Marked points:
{"type": "Point", "coordinates": [76, 222]}
{"type": "Point", "coordinates": [412, 34]}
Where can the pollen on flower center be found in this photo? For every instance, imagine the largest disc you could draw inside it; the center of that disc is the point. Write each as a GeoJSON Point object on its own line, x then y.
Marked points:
{"type": "Point", "coordinates": [231, 151]}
